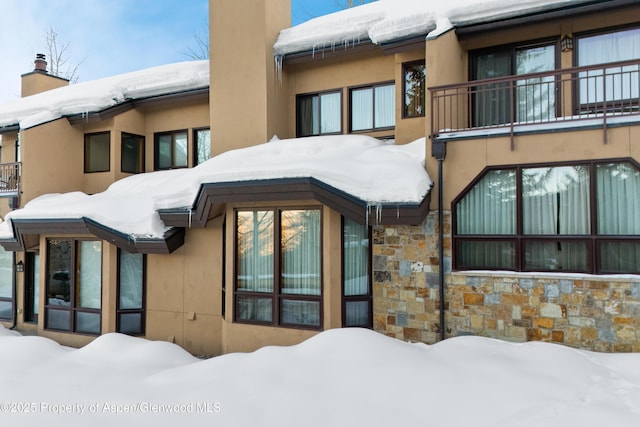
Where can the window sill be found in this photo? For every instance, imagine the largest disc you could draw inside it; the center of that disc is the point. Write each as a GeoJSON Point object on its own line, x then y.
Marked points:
{"type": "Point", "coordinates": [547, 274]}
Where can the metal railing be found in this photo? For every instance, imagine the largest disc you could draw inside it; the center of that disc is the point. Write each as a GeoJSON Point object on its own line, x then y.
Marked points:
{"type": "Point", "coordinates": [9, 179]}
{"type": "Point", "coordinates": [538, 101]}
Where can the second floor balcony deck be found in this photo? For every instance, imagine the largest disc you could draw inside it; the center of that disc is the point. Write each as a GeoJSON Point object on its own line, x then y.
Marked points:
{"type": "Point", "coordinates": [563, 99]}
{"type": "Point", "coordinates": [10, 179]}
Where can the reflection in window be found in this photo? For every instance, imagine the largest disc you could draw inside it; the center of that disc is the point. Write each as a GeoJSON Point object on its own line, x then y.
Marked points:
{"type": "Point", "coordinates": [373, 107]}
{"type": "Point", "coordinates": [6, 284]}
{"type": "Point", "coordinates": [97, 152]}
{"type": "Point", "coordinates": [132, 156]}
{"type": "Point", "coordinates": [171, 150]}
{"type": "Point", "coordinates": [131, 289]}
{"type": "Point", "coordinates": [202, 149]}
{"type": "Point", "coordinates": [356, 255]}
{"type": "Point", "coordinates": [319, 114]}
{"type": "Point", "coordinates": [414, 89]}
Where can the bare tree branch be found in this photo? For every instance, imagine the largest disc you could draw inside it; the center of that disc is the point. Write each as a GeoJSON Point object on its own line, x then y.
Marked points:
{"type": "Point", "coordinates": [58, 56]}
{"type": "Point", "coordinates": [201, 48]}
{"type": "Point", "coordinates": [351, 3]}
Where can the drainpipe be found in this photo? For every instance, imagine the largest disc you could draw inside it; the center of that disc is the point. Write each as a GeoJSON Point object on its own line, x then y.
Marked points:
{"type": "Point", "coordinates": [439, 151]}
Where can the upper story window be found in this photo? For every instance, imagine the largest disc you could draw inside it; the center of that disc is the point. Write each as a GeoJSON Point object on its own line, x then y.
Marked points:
{"type": "Point", "coordinates": [615, 84]}
{"type": "Point", "coordinates": [278, 278]}
{"type": "Point", "coordinates": [132, 153]}
{"type": "Point", "coordinates": [533, 98]}
{"type": "Point", "coordinates": [319, 113]}
{"type": "Point", "coordinates": [578, 218]}
{"type": "Point", "coordinates": [201, 145]}
{"type": "Point", "coordinates": [97, 152]}
{"type": "Point", "coordinates": [170, 150]}
{"type": "Point", "coordinates": [74, 285]}
{"type": "Point", "coordinates": [131, 293]}
{"type": "Point", "coordinates": [356, 275]}
{"type": "Point", "coordinates": [373, 107]}
{"type": "Point", "coordinates": [414, 89]}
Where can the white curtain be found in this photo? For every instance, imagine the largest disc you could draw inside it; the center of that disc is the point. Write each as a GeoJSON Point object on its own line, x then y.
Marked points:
{"type": "Point", "coordinates": [536, 96]}
{"type": "Point", "coordinates": [361, 109]}
{"type": "Point", "coordinates": [385, 106]}
{"type": "Point", "coordinates": [355, 252]}
{"type": "Point", "coordinates": [300, 252]}
{"type": "Point", "coordinates": [180, 150]}
{"type": "Point", "coordinates": [6, 274]}
{"type": "Point", "coordinates": [90, 277]}
{"type": "Point", "coordinates": [330, 113]}
{"type": "Point", "coordinates": [131, 280]}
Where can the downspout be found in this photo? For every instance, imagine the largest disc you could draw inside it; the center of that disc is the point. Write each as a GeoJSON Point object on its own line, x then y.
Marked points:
{"type": "Point", "coordinates": [439, 151]}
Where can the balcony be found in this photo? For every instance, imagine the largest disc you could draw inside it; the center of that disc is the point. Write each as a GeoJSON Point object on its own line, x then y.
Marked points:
{"type": "Point", "coordinates": [571, 98]}
{"type": "Point", "coordinates": [10, 179]}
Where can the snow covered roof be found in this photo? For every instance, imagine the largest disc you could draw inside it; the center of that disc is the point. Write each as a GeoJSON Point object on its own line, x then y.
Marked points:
{"type": "Point", "coordinates": [386, 21]}
{"type": "Point", "coordinates": [369, 171]}
{"type": "Point", "coordinates": [98, 95]}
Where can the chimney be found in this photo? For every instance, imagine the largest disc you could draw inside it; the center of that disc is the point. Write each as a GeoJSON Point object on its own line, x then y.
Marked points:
{"type": "Point", "coordinates": [40, 63]}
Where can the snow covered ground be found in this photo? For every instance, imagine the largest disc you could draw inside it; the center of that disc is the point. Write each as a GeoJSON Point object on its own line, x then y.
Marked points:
{"type": "Point", "coordinates": [341, 377]}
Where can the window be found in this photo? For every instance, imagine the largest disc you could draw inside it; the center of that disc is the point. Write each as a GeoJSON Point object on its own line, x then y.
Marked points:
{"type": "Point", "coordinates": [278, 267]}
{"type": "Point", "coordinates": [202, 146]}
{"type": "Point", "coordinates": [579, 218]}
{"type": "Point", "coordinates": [534, 98]}
{"type": "Point", "coordinates": [131, 293]}
{"type": "Point", "coordinates": [373, 107]}
{"type": "Point", "coordinates": [74, 286]}
{"type": "Point", "coordinates": [356, 277]}
{"type": "Point", "coordinates": [132, 153]}
{"type": "Point", "coordinates": [97, 152]}
{"type": "Point", "coordinates": [615, 83]}
{"type": "Point", "coordinates": [32, 287]}
{"type": "Point", "coordinates": [171, 150]}
{"type": "Point", "coordinates": [414, 89]}
{"type": "Point", "coordinates": [319, 113]}
{"type": "Point", "coordinates": [7, 262]}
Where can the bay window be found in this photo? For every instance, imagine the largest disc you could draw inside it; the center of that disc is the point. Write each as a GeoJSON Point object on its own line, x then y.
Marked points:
{"type": "Point", "coordinates": [579, 218]}
{"type": "Point", "coordinates": [278, 267]}
{"type": "Point", "coordinates": [373, 107]}
{"type": "Point", "coordinates": [319, 113]}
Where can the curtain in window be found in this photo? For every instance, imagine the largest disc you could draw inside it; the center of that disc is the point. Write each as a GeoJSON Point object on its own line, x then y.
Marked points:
{"type": "Point", "coordinates": [606, 48]}
{"type": "Point", "coordinates": [180, 150]}
{"type": "Point", "coordinates": [361, 109]}
{"type": "Point", "coordinates": [6, 274]}
{"type": "Point", "coordinates": [89, 286]}
{"type": "Point", "coordinates": [300, 240]}
{"type": "Point", "coordinates": [164, 152]}
{"type": "Point", "coordinates": [308, 123]}
{"type": "Point", "coordinates": [536, 96]}
{"type": "Point", "coordinates": [492, 100]}
{"type": "Point", "coordinates": [355, 252]}
{"type": "Point", "coordinates": [131, 280]}
{"type": "Point", "coordinates": [385, 106]}
{"type": "Point", "coordinates": [330, 113]}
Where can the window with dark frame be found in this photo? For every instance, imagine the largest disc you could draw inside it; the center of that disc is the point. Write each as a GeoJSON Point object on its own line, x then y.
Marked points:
{"type": "Point", "coordinates": [278, 278]}
{"type": "Point", "coordinates": [132, 153]}
{"type": "Point", "coordinates": [171, 150]}
{"type": "Point", "coordinates": [372, 107]}
{"type": "Point", "coordinates": [414, 89]}
{"type": "Point", "coordinates": [319, 113]}
{"type": "Point", "coordinates": [577, 217]}
{"type": "Point", "coordinates": [32, 287]}
{"type": "Point", "coordinates": [201, 145]}
{"type": "Point", "coordinates": [97, 152]}
{"type": "Point", "coordinates": [357, 310]}
{"type": "Point", "coordinates": [73, 300]}
{"type": "Point", "coordinates": [131, 303]}
{"type": "Point", "coordinates": [7, 300]}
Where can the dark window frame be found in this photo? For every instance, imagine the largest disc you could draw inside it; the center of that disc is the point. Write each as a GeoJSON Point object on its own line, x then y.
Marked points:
{"type": "Point", "coordinates": [592, 239]}
{"type": "Point", "coordinates": [357, 298]}
{"type": "Point", "coordinates": [156, 151]}
{"type": "Point", "coordinates": [319, 94]}
{"type": "Point", "coordinates": [195, 150]}
{"type": "Point", "coordinates": [143, 310]}
{"type": "Point", "coordinates": [71, 308]}
{"type": "Point", "coordinates": [29, 287]}
{"type": "Point", "coordinates": [12, 299]}
{"type": "Point", "coordinates": [277, 296]}
{"type": "Point", "coordinates": [405, 67]}
{"type": "Point", "coordinates": [371, 86]}
{"type": "Point", "coordinates": [87, 152]}
{"type": "Point", "coordinates": [141, 152]}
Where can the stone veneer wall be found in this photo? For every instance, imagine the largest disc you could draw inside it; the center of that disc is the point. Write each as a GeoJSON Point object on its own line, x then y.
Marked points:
{"type": "Point", "coordinates": [582, 311]}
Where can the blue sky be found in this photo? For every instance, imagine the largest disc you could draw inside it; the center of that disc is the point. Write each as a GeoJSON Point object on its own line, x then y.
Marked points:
{"type": "Point", "coordinates": [108, 37]}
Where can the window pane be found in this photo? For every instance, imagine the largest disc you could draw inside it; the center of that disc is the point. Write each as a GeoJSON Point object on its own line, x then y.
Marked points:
{"type": "Point", "coordinates": [131, 280]}
{"type": "Point", "coordinates": [618, 194]}
{"type": "Point", "coordinates": [97, 152]}
{"type": "Point", "coordinates": [58, 274]}
{"type": "Point", "coordinates": [164, 151]}
{"type": "Point", "coordinates": [357, 313]}
{"type": "Point", "coordinates": [89, 286]}
{"type": "Point", "coordinates": [536, 96]}
{"type": "Point", "coordinates": [88, 323]}
{"type": "Point", "coordinates": [300, 241]}
{"type": "Point", "coordinates": [306, 313]}
{"type": "Point", "coordinates": [308, 115]}
{"type": "Point", "coordinates": [385, 106]}
{"type": "Point", "coordinates": [6, 273]}
{"type": "Point", "coordinates": [361, 109]}
{"type": "Point", "coordinates": [35, 298]}
{"type": "Point", "coordinates": [620, 257]}
{"type": "Point", "coordinates": [492, 100]}
{"type": "Point", "coordinates": [490, 206]}
{"type": "Point", "coordinates": [132, 153]}
{"type": "Point", "coordinates": [58, 319]}
{"type": "Point", "coordinates": [414, 90]}
{"type": "Point", "coordinates": [556, 256]}
{"type": "Point", "coordinates": [486, 255]}
{"type": "Point", "coordinates": [203, 145]}
{"type": "Point", "coordinates": [254, 309]}
{"type": "Point", "coordinates": [6, 310]}
{"type": "Point", "coordinates": [130, 323]}
{"type": "Point", "coordinates": [556, 200]}
{"type": "Point", "coordinates": [180, 150]}
{"type": "Point", "coordinates": [355, 258]}
{"type": "Point", "coordinates": [330, 113]}
{"type": "Point", "coordinates": [255, 251]}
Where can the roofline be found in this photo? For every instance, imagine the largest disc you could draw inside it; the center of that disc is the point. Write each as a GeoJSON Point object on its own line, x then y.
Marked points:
{"type": "Point", "coordinates": [25, 229]}
{"type": "Point", "coordinates": [45, 73]}
{"type": "Point", "coordinates": [212, 197]}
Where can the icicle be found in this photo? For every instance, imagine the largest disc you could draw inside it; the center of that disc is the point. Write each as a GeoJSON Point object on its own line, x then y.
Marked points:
{"type": "Point", "coordinates": [278, 63]}
{"type": "Point", "coordinates": [397, 211]}
{"type": "Point", "coordinates": [190, 212]}
{"type": "Point", "coordinates": [378, 213]}
{"type": "Point", "coordinates": [367, 216]}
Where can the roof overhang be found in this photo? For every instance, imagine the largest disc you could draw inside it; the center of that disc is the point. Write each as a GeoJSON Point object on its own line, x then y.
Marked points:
{"type": "Point", "coordinates": [213, 196]}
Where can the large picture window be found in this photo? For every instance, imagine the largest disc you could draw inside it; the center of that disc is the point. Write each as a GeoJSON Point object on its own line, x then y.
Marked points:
{"type": "Point", "coordinates": [319, 113]}
{"type": "Point", "coordinates": [278, 267]}
{"type": "Point", "coordinates": [578, 218]}
{"type": "Point", "coordinates": [74, 286]}
{"type": "Point", "coordinates": [356, 276]}
{"type": "Point", "coordinates": [97, 152]}
{"type": "Point", "coordinates": [373, 107]}
{"type": "Point", "coordinates": [171, 150]}
{"type": "Point", "coordinates": [131, 293]}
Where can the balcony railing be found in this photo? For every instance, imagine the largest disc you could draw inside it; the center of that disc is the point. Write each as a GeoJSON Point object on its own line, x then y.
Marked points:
{"type": "Point", "coordinates": [9, 179]}
{"type": "Point", "coordinates": [546, 101]}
